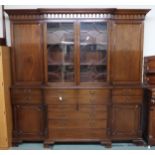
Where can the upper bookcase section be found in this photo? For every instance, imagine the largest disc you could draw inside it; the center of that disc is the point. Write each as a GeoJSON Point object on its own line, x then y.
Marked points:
{"type": "Point", "coordinates": [84, 13]}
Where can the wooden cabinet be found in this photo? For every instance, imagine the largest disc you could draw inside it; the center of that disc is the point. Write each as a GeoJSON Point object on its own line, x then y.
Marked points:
{"type": "Point", "coordinates": [84, 67]}
{"type": "Point", "coordinates": [149, 112]}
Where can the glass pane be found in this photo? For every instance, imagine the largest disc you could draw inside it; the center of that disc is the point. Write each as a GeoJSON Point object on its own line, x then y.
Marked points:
{"type": "Point", "coordinates": [93, 52]}
{"type": "Point", "coordinates": [60, 47]}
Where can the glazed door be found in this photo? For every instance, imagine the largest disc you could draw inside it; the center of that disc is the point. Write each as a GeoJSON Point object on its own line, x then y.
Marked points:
{"type": "Point", "coordinates": [27, 55]}
{"type": "Point", "coordinates": [28, 122]}
{"type": "Point", "coordinates": [125, 121]}
{"type": "Point", "coordinates": [93, 52]}
{"type": "Point", "coordinates": [60, 57]}
{"type": "Point", "coordinates": [77, 53]}
{"type": "Point", "coordinates": [126, 52]}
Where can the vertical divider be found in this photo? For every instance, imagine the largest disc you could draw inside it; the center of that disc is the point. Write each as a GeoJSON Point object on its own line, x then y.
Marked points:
{"type": "Point", "coordinates": [77, 51]}
{"type": "Point", "coordinates": [45, 52]}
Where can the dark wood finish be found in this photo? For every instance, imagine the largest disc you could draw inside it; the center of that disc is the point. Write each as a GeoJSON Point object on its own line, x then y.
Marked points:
{"type": "Point", "coordinates": [75, 111]}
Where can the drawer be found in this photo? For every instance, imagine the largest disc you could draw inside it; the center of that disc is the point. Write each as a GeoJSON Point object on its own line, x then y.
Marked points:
{"type": "Point", "coordinates": [74, 114]}
{"type": "Point", "coordinates": [133, 92]}
{"type": "Point", "coordinates": [57, 93]}
{"type": "Point", "coordinates": [149, 65]}
{"type": "Point", "coordinates": [26, 96]}
{"type": "Point", "coordinates": [32, 91]}
{"type": "Point", "coordinates": [77, 134]}
{"type": "Point", "coordinates": [77, 123]}
{"type": "Point", "coordinates": [62, 107]}
{"type": "Point", "coordinates": [94, 99]}
{"type": "Point", "coordinates": [127, 99]}
{"type": "Point", "coordinates": [100, 92]}
{"type": "Point", "coordinates": [93, 107]}
{"type": "Point", "coordinates": [150, 79]}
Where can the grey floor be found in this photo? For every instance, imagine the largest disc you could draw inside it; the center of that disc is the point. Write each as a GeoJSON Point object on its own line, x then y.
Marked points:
{"type": "Point", "coordinates": [115, 146]}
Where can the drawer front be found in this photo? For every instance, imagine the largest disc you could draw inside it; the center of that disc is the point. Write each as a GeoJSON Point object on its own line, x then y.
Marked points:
{"type": "Point", "coordinates": [68, 114]}
{"type": "Point", "coordinates": [127, 99]}
{"type": "Point", "coordinates": [149, 65]}
{"type": "Point", "coordinates": [76, 96]}
{"type": "Point", "coordinates": [77, 134]}
{"type": "Point", "coordinates": [136, 92]}
{"type": "Point", "coordinates": [150, 79]}
{"type": "Point", "coordinates": [77, 123]}
{"type": "Point", "coordinates": [26, 96]}
{"type": "Point", "coordinates": [77, 107]}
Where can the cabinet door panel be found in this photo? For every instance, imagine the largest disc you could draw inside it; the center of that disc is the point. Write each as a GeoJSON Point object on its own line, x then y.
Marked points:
{"type": "Point", "coordinates": [126, 120]}
{"type": "Point", "coordinates": [126, 53]}
{"type": "Point", "coordinates": [28, 122]}
{"type": "Point", "coordinates": [27, 54]}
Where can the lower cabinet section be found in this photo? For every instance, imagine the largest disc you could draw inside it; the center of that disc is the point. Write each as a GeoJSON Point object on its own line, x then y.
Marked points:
{"type": "Point", "coordinates": [76, 115]}
{"type": "Point", "coordinates": [125, 122]}
{"type": "Point", "coordinates": [28, 122]}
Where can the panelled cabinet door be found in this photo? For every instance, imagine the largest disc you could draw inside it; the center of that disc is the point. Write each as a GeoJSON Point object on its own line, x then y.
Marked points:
{"type": "Point", "coordinates": [152, 126]}
{"type": "Point", "coordinates": [27, 53]}
{"type": "Point", "coordinates": [125, 121]}
{"type": "Point", "coordinates": [28, 122]}
{"type": "Point", "coordinates": [126, 52]}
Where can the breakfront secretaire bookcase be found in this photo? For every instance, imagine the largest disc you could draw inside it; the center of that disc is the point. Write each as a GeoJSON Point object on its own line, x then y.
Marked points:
{"type": "Point", "coordinates": [77, 75]}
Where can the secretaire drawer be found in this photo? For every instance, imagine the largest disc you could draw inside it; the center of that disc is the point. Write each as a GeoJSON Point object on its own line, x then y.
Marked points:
{"type": "Point", "coordinates": [77, 96]}
{"type": "Point", "coordinates": [133, 92]}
